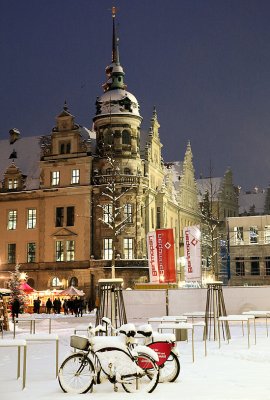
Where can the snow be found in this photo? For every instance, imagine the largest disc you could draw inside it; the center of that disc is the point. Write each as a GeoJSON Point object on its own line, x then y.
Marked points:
{"type": "Point", "coordinates": [230, 372]}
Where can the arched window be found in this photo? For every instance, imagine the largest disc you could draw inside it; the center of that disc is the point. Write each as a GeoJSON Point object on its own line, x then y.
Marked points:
{"type": "Point", "coordinates": [73, 281]}
{"type": "Point", "coordinates": [126, 138]}
{"type": "Point", "coordinates": [108, 137]}
{"type": "Point", "coordinates": [56, 282]}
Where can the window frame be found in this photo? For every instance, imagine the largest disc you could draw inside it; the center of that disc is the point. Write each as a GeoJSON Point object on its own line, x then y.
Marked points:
{"type": "Point", "coordinates": [107, 248]}
{"type": "Point", "coordinates": [31, 220]}
{"type": "Point", "coordinates": [55, 178]}
{"type": "Point", "coordinates": [11, 255]}
{"type": "Point", "coordinates": [75, 176]}
{"type": "Point", "coordinates": [128, 213]}
{"type": "Point", "coordinates": [12, 220]}
{"type": "Point", "coordinates": [128, 248]}
{"type": "Point", "coordinates": [31, 253]}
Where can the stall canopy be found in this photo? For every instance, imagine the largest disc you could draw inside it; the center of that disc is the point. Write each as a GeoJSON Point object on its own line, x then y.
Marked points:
{"type": "Point", "coordinates": [26, 288]}
{"type": "Point", "coordinates": [72, 291]}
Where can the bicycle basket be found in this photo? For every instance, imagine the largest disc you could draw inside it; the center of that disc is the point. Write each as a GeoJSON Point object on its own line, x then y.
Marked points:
{"type": "Point", "coordinates": [79, 342]}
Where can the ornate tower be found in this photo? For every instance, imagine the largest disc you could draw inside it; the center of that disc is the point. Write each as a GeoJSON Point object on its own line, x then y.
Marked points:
{"type": "Point", "coordinates": [117, 160]}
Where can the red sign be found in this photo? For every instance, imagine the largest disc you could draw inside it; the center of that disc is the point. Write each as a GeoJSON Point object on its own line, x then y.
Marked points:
{"type": "Point", "coordinates": [161, 257]}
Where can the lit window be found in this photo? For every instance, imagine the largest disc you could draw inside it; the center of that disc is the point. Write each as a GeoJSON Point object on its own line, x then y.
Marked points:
{"type": "Point", "coordinates": [55, 178]}
{"type": "Point", "coordinates": [107, 213]}
{"type": "Point", "coordinates": [128, 212]}
{"type": "Point", "coordinates": [12, 219]}
{"type": "Point", "coordinates": [238, 235]}
{"type": "Point", "coordinates": [107, 249]}
{"type": "Point", "coordinates": [11, 253]}
{"type": "Point", "coordinates": [31, 218]}
{"type": "Point", "coordinates": [15, 183]}
{"type": "Point", "coordinates": [128, 248]}
{"type": "Point", "coordinates": [31, 252]}
{"type": "Point", "coordinates": [70, 250]}
{"type": "Point", "coordinates": [65, 250]}
{"type": "Point", "coordinates": [10, 183]}
{"type": "Point", "coordinates": [253, 234]}
{"type": "Point", "coordinates": [75, 176]}
{"type": "Point", "coordinates": [267, 234]}
{"type": "Point", "coordinates": [56, 282]}
{"type": "Point", "coordinates": [59, 247]}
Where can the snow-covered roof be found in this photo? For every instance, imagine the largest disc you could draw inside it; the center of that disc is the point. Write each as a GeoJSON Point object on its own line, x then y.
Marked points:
{"type": "Point", "coordinates": [117, 101]}
{"type": "Point", "coordinates": [28, 155]}
{"type": "Point", "coordinates": [252, 201]}
{"type": "Point", "coordinates": [212, 185]}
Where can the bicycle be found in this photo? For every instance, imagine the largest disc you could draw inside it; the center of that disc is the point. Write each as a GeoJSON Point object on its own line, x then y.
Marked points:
{"type": "Point", "coordinates": [136, 370]}
{"type": "Point", "coordinates": [164, 344]}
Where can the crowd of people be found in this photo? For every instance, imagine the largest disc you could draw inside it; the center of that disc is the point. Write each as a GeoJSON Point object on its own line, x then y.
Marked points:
{"type": "Point", "coordinates": [74, 306]}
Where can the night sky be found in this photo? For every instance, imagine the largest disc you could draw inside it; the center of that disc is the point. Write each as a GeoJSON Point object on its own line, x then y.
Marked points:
{"type": "Point", "coordinates": [204, 64]}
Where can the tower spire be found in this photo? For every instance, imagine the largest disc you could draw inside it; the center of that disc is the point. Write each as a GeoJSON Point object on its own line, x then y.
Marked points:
{"type": "Point", "coordinates": [115, 50]}
{"type": "Point", "coordinates": [114, 72]}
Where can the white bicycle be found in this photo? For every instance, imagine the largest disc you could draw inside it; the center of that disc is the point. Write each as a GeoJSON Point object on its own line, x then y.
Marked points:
{"type": "Point", "coordinates": [108, 356]}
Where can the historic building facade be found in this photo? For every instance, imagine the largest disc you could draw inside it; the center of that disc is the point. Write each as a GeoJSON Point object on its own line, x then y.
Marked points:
{"type": "Point", "coordinates": [71, 205]}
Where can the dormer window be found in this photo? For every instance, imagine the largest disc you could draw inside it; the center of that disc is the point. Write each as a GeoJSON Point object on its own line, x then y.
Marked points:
{"type": "Point", "coordinates": [13, 178]}
{"type": "Point", "coordinates": [65, 147]}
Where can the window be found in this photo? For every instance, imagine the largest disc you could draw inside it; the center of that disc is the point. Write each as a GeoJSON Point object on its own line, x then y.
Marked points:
{"type": "Point", "coordinates": [70, 250]}
{"type": "Point", "coordinates": [128, 248]}
{"type": "Point", "coordinates": [107, 249]}
{"type": "Point", "coordinates": [31, 252]}
{"type": "Point", "coordinates": [73, 281]}
{"type": "Point", "coordinates": [56, 282]}
{"type": "Point", "coordinates": [238, 235]}
{"type": "Point", "coordinates": [126, 138]}
{"type": "Point", "coordinates": [59, 256]}
{"type": "Point", "coordinates": [11, 253]}
{"type": "Point", "coordinates": [75, 176]}
{"type": "Point", "coordinates": [65, 250]}
{"type": "Point", "coordinates": [55, 178]}
{"type": "Point", "coordinates": [254, 266]}
{"type": "Point", "coordinates": [65, 147]}
{"type": "Point", "coordinates": [70, 216]}
{"type": "Point", "coordinates": [12, 183]}
{"type": "Point", "coordinates": [59, 217]}
{"type": "Point", "coordinates": [12, 219]}
{"type": "Point", "coordinates": [109, 171]}
{"type": "Point", "coordinates": [60, 214]}
{"type": "Point", "coordinates": [253, 234]}
{"type": "Point", "coordinates": [267, 234]}
{"type": "Point", "coordinates": [107, 213]}
{"type": "Point", "coordinates": [239, 266]}
{"type": "Point", "coordinates": [267, 265]}
{"type": "Point", "coordinates": [128, 212]}
{"type": "Point", "coordinates": [127, 171]}
{"type": "Point", "coordinates": [31, 218]}
{"type": "Point", "coordinates": [152, 218]}
{"type": "Point", "coordinates": [108, 137]}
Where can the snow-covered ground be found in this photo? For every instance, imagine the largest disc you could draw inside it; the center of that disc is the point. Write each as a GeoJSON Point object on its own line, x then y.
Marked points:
{"type": "Point", "coordinates": [231, 372]}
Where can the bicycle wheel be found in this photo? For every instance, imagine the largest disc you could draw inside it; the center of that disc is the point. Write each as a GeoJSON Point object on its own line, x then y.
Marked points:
{"type": "Point", "coordinates": [169, 371]}
{"type": "Point", "coordinates": [144, 380]}
{"type": "Point", "coordinates": [76, 374]}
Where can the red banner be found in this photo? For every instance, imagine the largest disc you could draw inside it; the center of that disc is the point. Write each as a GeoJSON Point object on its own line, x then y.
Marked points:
{"type": "Point", "coordinates": [161, 259]}
{"type": "Point", "coordinates": [165, 255]}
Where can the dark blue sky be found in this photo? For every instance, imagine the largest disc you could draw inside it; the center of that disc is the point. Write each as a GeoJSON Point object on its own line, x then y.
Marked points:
{"type": "Point", "coordinates": [205, 64]}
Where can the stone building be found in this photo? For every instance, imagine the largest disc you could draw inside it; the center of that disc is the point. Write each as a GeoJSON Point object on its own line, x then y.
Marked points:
{"type": "Point", "coordinates": [55, 216]}
{"type": "Point", "coordinates": [249, 238]}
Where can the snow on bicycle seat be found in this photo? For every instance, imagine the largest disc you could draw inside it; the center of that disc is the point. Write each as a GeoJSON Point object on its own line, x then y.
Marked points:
{"type": "Point", "coordinates": [108, 342]}
{"type": "Point", "coordinates": [128, 329]}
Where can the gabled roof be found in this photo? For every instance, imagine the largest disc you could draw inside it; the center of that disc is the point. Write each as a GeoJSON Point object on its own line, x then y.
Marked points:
{"type": "Point", "coordinates": [28, 156]}
{"type": "Point", "coordinates": [212, 185]}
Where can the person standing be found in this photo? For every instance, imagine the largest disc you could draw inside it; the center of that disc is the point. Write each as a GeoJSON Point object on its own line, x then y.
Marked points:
{"type": "Point", "coordinates": [15, 308]}
{"type": "Point", "coordinates": [48, 306]}
{"type": "Point", "coordinates": [38, 305]}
